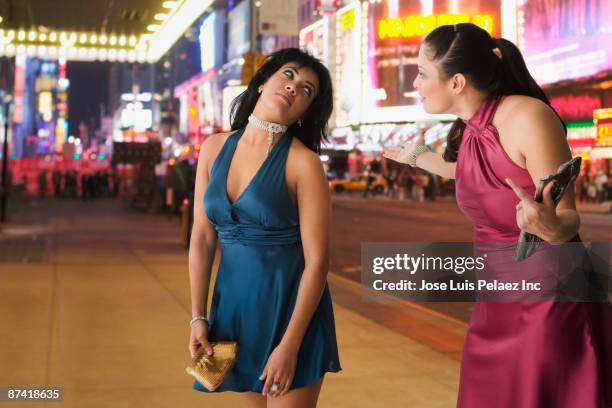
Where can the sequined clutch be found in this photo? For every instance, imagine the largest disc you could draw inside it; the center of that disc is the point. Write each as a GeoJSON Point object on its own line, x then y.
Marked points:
{"type": "Point", "coordinates": [210, 371]}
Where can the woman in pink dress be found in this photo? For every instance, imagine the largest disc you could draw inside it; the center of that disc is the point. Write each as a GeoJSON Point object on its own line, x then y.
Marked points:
{"type": "Point", "coordinates": [507, 136]}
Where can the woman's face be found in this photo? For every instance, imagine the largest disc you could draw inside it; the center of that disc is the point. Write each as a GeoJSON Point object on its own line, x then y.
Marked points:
{"type": "Point", "coordinates": [435, 91]}
{"type": "Point", "coordinates": [287, 94]}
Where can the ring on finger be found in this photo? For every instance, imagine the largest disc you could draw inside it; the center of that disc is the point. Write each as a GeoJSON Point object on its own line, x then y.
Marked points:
{"type": "Point", "coordinates": [275, 387]}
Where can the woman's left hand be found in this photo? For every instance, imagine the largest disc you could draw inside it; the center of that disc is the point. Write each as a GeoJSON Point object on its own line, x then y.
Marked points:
{"type": "Point", "coordinates": [280, 370]}
{"type": "Point", "coordinates": [539, 219]}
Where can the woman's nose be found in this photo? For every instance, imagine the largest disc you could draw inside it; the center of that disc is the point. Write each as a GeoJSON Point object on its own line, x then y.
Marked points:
{"type": "Point", "coordinates": [290, 88]}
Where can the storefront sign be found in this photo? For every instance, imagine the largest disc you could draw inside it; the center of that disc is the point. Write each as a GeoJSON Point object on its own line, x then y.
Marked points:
{"type": "Point", "coordinates": [603, 125]}
{"type": "Point", "coordinates": [314, 39]}
{"type": "Point", "coordinates": [348, 65]}
{"type": "Point", "coordinates": [419, 25]}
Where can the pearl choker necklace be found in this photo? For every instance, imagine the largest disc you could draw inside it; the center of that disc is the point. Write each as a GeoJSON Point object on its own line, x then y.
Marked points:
{"type": "Point", "coordinates": [270, 127]}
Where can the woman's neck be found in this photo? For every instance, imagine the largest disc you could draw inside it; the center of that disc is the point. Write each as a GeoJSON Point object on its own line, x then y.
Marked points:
{"type": "Point", "coordinates": [468, 104]}
{"type": "Point", "coordinates": [256, 135]}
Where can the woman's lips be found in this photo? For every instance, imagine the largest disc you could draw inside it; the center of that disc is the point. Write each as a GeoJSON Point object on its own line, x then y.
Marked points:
{"type": "Point", "coordinates": [285, 97]}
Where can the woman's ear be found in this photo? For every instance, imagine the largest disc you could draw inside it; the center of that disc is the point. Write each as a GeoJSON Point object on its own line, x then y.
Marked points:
{"type": "Point", "coordinates": [457, 83]}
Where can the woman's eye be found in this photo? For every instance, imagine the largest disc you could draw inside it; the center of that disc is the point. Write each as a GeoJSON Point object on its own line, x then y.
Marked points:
{"type": "Point", "coordinates": [289, 74]}
{"type": "Point", "coordinates": [308, 91]}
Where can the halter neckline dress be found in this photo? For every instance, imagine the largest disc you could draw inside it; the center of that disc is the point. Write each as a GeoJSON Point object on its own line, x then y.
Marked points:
{"type": "Point", "coordinates": [523, 354]}
{"type": "Point", "coordinates": [261, 265]}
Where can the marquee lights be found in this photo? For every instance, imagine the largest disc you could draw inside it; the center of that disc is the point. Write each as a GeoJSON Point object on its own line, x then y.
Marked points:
{"type": "Point", "coordinates": [165, 29]}
{"type": "Point", "coordinates": [183, 16]}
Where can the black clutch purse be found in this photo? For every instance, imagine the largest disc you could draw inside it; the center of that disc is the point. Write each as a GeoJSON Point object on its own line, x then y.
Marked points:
{"type": "Point", "coordinates": [564, 178]}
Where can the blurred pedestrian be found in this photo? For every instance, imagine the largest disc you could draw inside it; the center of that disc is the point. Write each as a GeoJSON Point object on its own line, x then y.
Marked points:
{"type": "Point", "coordinates": [601, 184]}
{"type": "Point", "coordinates": [369, 179]}
{"type": "Point", "coordinates": [583, 188]}
{"type": "Point", "coordinates": [42, 183]}
{"type": "Point", "coordinates": [56, 178]}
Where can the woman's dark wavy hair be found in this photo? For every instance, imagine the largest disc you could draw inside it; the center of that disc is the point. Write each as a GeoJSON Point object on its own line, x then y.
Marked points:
{"type": "Point", "coordinates": [314, 121]}
{"type": "Point", "coordinates": [468, 49]}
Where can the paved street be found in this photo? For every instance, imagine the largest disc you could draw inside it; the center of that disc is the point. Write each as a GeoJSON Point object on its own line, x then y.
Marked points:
{"type": "Point", "coordinates": [95, 298]}
{"type": "Point", "coordinates": [379, 219]}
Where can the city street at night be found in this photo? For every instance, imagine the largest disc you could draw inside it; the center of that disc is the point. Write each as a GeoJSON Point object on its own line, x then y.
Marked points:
{"type": "Point", "coordinates": [306, 203]}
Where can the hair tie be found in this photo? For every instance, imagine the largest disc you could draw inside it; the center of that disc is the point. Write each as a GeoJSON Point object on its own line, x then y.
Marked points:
{"type": "Point", "coordinates": [497, 52]}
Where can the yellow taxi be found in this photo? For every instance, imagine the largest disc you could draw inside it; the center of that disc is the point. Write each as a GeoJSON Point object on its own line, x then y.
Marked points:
{"type": "Point", "coordinates": [358, 183]}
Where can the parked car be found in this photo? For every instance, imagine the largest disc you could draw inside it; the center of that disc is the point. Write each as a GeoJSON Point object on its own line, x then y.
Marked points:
{"type": "Point", "coordinates": [358, 183]}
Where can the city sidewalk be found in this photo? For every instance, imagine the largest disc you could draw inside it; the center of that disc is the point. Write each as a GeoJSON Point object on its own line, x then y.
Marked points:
{"type": "Point", "coordinates": [95, 299]}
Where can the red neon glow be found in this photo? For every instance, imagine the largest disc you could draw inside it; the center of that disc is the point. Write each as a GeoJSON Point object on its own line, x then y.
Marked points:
{"type": "Point", "coordinates": [576, 107]}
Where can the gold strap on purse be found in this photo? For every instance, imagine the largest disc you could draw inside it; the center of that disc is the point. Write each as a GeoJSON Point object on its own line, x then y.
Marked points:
{"type": "Point", "coordinates": [210, 371]}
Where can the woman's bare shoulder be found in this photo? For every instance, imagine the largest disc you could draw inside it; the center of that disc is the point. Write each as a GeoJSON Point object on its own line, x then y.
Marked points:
{"type": "Point", "coordinates": [529, 121]}
{"type": "Point", "coordinates": [513, 108]}
{"type": "Point", "coordinates": [211, 146]}
{"type": "Point", "coordinates": [216, 140]}
{"type": "Point", "coordinates": [302, 156]}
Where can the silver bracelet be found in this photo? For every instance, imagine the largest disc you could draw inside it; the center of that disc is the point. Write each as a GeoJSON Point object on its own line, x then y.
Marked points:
{"type": "Point", "coordinates": [412, 156]}
{"type": "Point", "coordinates": [195, 319]}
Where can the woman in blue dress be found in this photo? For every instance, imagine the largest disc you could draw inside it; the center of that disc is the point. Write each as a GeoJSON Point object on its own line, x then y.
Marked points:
{"type": "Point", "coordinates": [262, 193]}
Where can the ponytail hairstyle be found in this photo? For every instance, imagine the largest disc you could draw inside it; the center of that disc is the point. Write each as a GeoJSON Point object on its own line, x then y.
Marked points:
{"type": "Point", "coordinates": [468, 49]}
{"type": "Point", "coordinates": [314, 121]}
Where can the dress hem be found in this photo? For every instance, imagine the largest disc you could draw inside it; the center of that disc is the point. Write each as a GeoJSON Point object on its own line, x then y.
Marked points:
{"type": "Point", "coordinates": [241, 391]}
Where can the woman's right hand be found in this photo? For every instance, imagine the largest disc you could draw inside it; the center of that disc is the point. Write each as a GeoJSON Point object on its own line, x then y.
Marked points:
{"type": "Point", "coordinates": [199, 337]}
{"type": "Point", "coordinates": [401, 153]}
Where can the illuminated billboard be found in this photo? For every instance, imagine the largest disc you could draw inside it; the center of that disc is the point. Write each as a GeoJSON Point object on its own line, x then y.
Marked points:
{"type": "Point", "coordinates": [565, 39]}
{"type": "Point", "coordinates": [348, 65]}
{"type": "Point", "coordinates": [394, 31]}
{"type": "Point", "coordinates": [314, 39]}
{"type": "Point", "coordinates": [239, 30]}
{"type": "Point", "coordinates": [207, 42]}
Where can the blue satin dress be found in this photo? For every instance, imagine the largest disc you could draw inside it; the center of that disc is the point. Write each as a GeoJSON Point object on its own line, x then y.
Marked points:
{"type": "Point", "coordinates": [259, 274]}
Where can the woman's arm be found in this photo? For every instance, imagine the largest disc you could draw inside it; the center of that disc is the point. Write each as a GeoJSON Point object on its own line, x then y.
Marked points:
{"type": "Point", "coordinates": [201, 248]}
{"type": "Point", "coordinates": [203, 240]}
{"type": "Point", "coordinates": [435, 163]}
{"type": "Point", "coordinates": [541, 141]}
{"type": "Point", "coordinates": [428, 161]}
{"type": "Point", "coordinates": [314, 208]}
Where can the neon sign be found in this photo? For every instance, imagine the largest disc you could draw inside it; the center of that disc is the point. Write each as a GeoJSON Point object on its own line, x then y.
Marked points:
{"type": "Point", "coordinates": [418, 26]}
{"type": "Point", "coordinates": [603, 124]}
{"type": "Point", "coordinates": [347, 20]}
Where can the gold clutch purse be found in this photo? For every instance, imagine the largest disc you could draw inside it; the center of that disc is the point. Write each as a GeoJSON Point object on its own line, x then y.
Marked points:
{"type": "Point", "coordinates": [210, 371]}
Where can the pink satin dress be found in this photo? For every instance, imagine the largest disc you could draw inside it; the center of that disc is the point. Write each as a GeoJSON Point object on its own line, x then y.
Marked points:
{"type": "Point", "coordinates": [523, 354]}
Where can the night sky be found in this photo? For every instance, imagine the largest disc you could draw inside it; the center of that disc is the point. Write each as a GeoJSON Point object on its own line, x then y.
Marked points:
{"type": "Point", "coordinates": [89, 83]}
